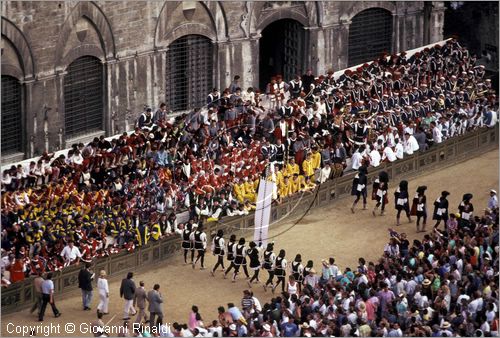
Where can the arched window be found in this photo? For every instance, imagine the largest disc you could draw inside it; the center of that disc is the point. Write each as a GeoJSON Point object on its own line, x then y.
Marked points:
{"type": "Point", "coordinates": [370, 34]}
{"type": "Point", "coordinates": [189, 72]}
{"type": "Point", "coordinates": [281, 50]}
{"type": "Point", "coordinates": [11, 115]}
{"type": "Point", "coordinates": [83, 96]}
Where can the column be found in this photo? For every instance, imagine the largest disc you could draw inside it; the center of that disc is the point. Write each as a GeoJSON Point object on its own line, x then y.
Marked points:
{"type": "Point", "coordinates": [30, 125]}
{"type": "Point", "coordinates": [395, 32]}
{"type": "Point", "coordinates": [58, 137]}
{"type": "Point", "coordinates": [420, 32]}
{"type": "Point", "coordinates": [340, 44]}
{"type": "Point", "coordinates": [402, 33]}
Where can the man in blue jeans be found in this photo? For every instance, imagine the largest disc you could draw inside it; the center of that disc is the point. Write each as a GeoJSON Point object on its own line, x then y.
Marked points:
{"type": "Point", "coordinates": [85, 284]}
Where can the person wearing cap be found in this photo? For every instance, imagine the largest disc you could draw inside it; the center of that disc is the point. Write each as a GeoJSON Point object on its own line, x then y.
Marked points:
{"type": "Point", "coordinates": [419, 207]}
{"type": "Point", "coordinates": [269, 264]}
{"type": "Point", "coordinates": [379, 192]}
{"type": "Point", "coordinates": [186, 241]}
{"type": "Point", "coordinates": [230, 254]}
{"type": "Point", "coordinates": [280, 265]}
{"type": "Point", "coordinates": [401, 198]}
{"type": "Point", "coordinates": [359, 187]}
{"type": "Point", "coordinates": [466, 209]}
{"type": "Point", "coordinates": [311, 279]}
{"type": "Point", "coordinates": [441, 209]}
{"type": "Point", "coordinates": [240, 252]}
{"type": "Point", "coordinates": [199, 238]}
{"type": "Point", "coordinates": [493, 201]}
{"type": "Point", "coordinates": [218, 250]}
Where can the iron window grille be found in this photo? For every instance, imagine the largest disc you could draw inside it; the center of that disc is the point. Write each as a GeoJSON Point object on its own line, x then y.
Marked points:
{"type": "Point", "coordinates": [83, 96]}
{"type": "Point", "coordinates": [11, 115]}
{"type": "Point", "coordinates": [189, 72]}
{"type": "Point", "coordinates": [370, 34]}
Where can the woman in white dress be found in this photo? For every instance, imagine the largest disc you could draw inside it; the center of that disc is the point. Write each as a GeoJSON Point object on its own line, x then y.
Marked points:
{"type": "Point", "coordinates": [102, 286]}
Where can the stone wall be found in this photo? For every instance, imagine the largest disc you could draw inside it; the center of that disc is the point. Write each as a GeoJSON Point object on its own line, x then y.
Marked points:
{"type": "Point", "coordinates": [451, 152]}
{"type": "Point", "coordinates": [40, 40]}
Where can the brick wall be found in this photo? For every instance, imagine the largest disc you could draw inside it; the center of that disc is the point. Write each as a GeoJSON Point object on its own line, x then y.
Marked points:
{"type": "Point", "coordinates": [131, 39]}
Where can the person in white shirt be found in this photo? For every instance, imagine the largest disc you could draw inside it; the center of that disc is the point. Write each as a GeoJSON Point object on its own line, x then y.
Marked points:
{"type": "Point", "coordinates": [357, 158]}
{"type": "Point", "coordinates": [102, 286]}
{"type": "Point", "coordinates": [374, 157]}
{"type": "Point", "coordinates": [388, 154]}
{"type": "Point", "coordinates": [77, 157]}
{"type": "Point", "coordinates": [410, 144]}
{"type": "Point", "coordinates": [436, 133]}
{"type": "Point", "coordinates": [493, 201]}
{"type": "Point", "coordinates": [71, 254]}
{"type": "Point", "coordinates": [21, 198]}
{"type": "Point", "coordinates": [398, 149]}
{"type": "Point", "coordinates": [6, 178]}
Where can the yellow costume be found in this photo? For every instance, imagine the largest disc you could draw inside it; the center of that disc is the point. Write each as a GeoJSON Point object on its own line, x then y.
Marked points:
{"type": "Point", "coordinates": [285, 188]}
{"type": "Point", "coordinates": [249, 191]}
{"type": "Point", "coordinates": [156, 231]}
{"type": "Point", "coordinates": [307, 167]}
{"type": "Point", "coordinates": [297, 184]}
{"type": "Point", "coordinates": [316, 160]}
{"type": "Point", "coordinates": [292, 169]}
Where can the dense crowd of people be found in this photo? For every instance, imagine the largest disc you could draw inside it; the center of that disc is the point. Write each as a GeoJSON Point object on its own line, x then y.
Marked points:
{"type": "Point", "coordinates": [112, 195]}
{"type": "Point", "coordinates": [444, 285]}
{"type": "Point", "coordinates": [441, 286]}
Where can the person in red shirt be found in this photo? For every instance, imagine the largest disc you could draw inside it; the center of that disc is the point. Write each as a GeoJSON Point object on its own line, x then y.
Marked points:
{"type": "Point", "coordinates": [17, 270]}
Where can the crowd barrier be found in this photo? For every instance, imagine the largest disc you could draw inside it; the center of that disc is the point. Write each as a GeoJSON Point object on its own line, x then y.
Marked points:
{"type": "Point", "coordinates": [20, 295]}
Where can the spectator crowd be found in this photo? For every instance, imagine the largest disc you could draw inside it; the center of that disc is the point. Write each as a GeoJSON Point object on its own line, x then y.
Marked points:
{"type": "Point", "coordinates": [445, 285]}
{"type": "Point", "coordinates": [112, 195]}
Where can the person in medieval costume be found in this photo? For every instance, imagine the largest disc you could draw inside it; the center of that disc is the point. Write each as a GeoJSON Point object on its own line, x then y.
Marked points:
{"type": "Point", "coordinates": [379, 193]}
{"type": "Point", "coordinates": [419, 207]}
{"type": "Point", "coordinates": [359, 188]}
{"type": "Point", "coordinates": [401, 201]}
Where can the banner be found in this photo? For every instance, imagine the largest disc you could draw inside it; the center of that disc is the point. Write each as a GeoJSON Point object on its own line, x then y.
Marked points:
{"type": "Point", "coordinates": [263, 211]}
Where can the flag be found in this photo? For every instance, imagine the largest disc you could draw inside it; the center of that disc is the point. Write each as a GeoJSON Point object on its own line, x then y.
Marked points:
{"type": "Point", "coordinates": [263, 211]}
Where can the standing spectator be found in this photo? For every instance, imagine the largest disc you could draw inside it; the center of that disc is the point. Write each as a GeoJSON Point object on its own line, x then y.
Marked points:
{"type": "Point", "coordinates": [155, 306]}
{"type": "Point", "coordinates": [37, 287]}
{"type": "Point", "coordinates": [127, 291]}
{"type": "Point", "coordinates": [247, 302]}
{"type": "Point", "coordinates": [437, 136]}
{"type": "Point", "coordinates": [103, 288]}
{"type": "Point", "coordinates": [493, 201]}
{"type": "Point", "coordinates": [140, 301]}
{"type": "Point", "coordinates": [234, 85]}
{"type": "Point", "coordinates": [48, 297]}
{"type": "Point", "coordinates": [17, 270]}
{"type": "Point", "coordinates": [85, 284]}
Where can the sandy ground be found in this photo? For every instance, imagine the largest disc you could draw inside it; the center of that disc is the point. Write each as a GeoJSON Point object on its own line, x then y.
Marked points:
{"type": "Point", "coordinates": [329, 231]}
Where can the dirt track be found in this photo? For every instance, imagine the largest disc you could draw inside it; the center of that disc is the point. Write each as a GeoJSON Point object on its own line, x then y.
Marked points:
{"type": "Point", "coordinates": [329, 231]}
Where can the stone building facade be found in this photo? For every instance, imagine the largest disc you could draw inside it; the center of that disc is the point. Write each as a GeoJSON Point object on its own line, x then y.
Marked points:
{"type": "Point", "coordinates": [74, 70]}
